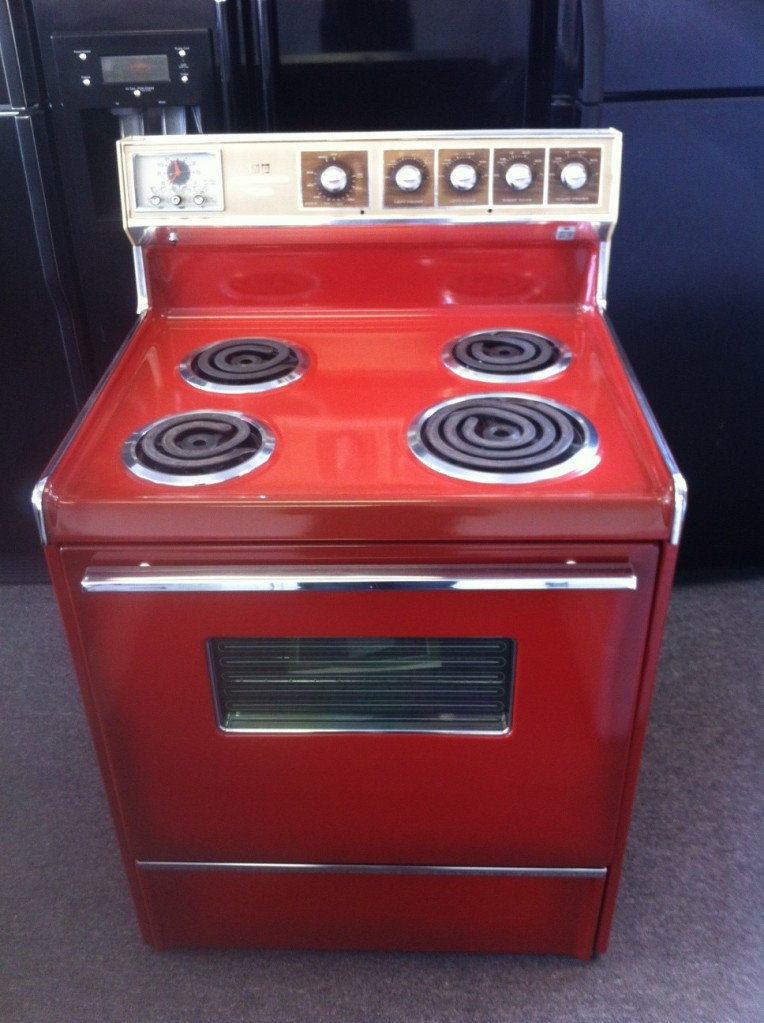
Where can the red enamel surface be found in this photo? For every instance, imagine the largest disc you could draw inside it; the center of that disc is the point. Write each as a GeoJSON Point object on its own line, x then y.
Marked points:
{"type": "Point", "coordinates": [342, 469]}
{"type": "Point", "coordinates": [372, 309]}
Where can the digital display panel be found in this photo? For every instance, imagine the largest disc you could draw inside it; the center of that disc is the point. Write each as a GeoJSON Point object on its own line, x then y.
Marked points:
{"type": "Point", "coordinates": [144, 67]}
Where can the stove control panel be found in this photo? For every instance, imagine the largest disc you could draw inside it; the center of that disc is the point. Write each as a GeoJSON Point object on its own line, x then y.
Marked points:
{"type": "Point", "coordinates": [255, 180]}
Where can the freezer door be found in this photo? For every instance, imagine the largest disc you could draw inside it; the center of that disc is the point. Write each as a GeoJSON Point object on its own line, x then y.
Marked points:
{"type": "Point", "coordinates": [393, 65]}
{"type": "Point", "coordinates": [39, 391]}
{"type": "Point", "coordinates": [686, 298]}
{"type": "Point", "coordinates": [18, 83]}
{"type": "Point", "coordinates": [684, 45]}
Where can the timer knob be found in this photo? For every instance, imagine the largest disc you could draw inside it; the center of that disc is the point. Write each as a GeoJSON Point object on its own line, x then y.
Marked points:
{"type": "Point", "coordinates": [519, 176]}
{"type": "Point", "coordinates": [463, 176]}
{"type": "Point", "coordinates": [334, 179]}
{"type": "Point", "coordinates": [408, 177]}
{"type": "Point", "coordinates": [574, 175]}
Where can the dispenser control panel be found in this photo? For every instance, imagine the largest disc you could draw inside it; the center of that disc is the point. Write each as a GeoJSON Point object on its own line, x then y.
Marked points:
{"type": "Point", "coordinates": [134, 69]}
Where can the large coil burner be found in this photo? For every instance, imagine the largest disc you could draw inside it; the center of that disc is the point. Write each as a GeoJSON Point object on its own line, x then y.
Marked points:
{"type": "Point", "coordinates": [500, 438]}
{"type": "Point", "coordinates": [512, 355]}
{"type": "Point", "coordinates": [197, 448]}
{"type": "Point", "coordinates": [244, 365]}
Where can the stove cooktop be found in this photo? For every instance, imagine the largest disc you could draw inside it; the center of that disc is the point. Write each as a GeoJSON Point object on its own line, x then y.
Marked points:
{"type": "Point", "coordinates": [343, 425]}
{"type": "Point", "coordinates": [491, 438]}
{"type": "Point", "coordinates": [328, 356]}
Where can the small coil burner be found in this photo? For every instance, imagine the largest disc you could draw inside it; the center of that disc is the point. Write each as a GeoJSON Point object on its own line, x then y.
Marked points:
{"type": "Point", "coordinates": [244, 365]}
{"type": "Point", "coordinates": [196, 448]}
{"type": "Point", "coordinates": [500, 438]}
{"type": "Point", "coordinates": [514, 355]}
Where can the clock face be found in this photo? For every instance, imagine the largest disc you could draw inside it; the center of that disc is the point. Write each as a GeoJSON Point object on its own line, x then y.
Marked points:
{"type": "Point", "coordinates": [178, 180]}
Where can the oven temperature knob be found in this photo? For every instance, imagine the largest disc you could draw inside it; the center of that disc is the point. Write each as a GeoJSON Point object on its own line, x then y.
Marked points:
{"type": "Point", "coordinates": [408, 177]}
{"type": "Point", "coordinates": [519, 176]}
{"type": "Point", "coordinates": [574, 175]}
{"type": "Point", "coordinates": [334, 179]}
{"type": "Point", "coordinates": [463, 176]}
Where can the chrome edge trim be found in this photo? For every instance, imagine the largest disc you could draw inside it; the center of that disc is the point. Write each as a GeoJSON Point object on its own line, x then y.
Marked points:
{"type": "Point", "coordinates": [357, 730]}
{"type": "Point", "coordinates": [680, 507]}
{"type": "Point", "coordinates": [679, 482]}
{"type": "Point", "coordinates": [603, 271]}
{"type": "Point", "coordinates": [141, 285]}
{"type": "Point", "coordinates": [583, 873]}
{"type": "Point", "coordinates": [39, 488]}
{"type": "Point", "coordinates": [232, 579]}
{"type": "Point", "coordinates": [146, 234]}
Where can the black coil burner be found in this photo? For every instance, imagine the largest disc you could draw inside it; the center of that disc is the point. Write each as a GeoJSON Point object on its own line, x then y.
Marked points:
{"type": "Point", "coordinates": [515, 355]}
{"type": "Point", "coordinates": [199, 447]}
{"type": "Point", "coordinates": [496, 438]}
{"type": "Point", "coordinates": [244, 364]}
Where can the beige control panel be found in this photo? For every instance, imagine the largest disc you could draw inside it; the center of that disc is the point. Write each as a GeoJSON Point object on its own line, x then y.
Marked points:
{"type": "Point", "coordinates": [243, 180]}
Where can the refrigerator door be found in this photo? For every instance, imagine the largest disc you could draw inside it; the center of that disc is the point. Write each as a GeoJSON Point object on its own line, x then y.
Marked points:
{"type": "Point", "coordinates": [18, 82]}
{"type": "Point", "coordinates": [686, 298]}
{"type": "Point", "coordinates": [654, 46]}
{"type": "Point", "coordinates": [39, 389]}
{"type": "Point", "coordinates": [393, 64]}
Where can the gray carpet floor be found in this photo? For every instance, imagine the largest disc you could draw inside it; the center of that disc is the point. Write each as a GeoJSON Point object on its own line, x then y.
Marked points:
{"type": "Point", "coordinates": [687, 942]}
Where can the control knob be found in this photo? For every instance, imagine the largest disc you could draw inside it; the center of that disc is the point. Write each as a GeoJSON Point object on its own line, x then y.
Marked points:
{"type": "Point", "coordinates": [334, 179]}
{"type": "Point", "coordinates": [408, 177]}
{"type": "Point", "coordinates": [574, 175]}
{"type": "Point", "coordinates": [519, 176]}
{"type": "Point", "coordinates": [463, 176]}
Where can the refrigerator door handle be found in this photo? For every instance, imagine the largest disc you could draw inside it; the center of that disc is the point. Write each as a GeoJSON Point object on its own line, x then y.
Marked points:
{"type": "Point", "coordinates": [30, 149]}
{"type": "Point", "coordinates": [266, 51]}
{"type": "Point", "coordinates": [593, 58]}
{"type": "Point", "coordinates": [225, 67]}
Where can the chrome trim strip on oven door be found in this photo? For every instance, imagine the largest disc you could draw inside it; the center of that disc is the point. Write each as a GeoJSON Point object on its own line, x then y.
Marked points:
{"type": "Point", "coordinates": [680, 484]}
{"type": "Point", "coordinates": [593, 873]}
{"type": "Point", "coordinates": [339, 578]}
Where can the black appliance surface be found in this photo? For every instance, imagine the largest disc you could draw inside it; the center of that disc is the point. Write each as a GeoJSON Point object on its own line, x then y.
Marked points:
{"type": "Point", "coordinates": [685, 45]}
{"type": "Point", "coordinates": [41, 384]}
{"type": "Point", "coordinates": [684, 82]}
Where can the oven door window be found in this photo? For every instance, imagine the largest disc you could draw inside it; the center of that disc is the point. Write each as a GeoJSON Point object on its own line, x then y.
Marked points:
{"type": "Point", "coordinates": [362, 684]}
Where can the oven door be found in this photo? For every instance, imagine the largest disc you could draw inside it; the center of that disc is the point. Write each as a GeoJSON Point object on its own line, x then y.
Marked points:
{"type": "Point", "coordinates": [474, 710]}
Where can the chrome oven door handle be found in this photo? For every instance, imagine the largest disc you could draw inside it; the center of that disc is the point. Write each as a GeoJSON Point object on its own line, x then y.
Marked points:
{"type": "Point", "coordinates": [344, 578]}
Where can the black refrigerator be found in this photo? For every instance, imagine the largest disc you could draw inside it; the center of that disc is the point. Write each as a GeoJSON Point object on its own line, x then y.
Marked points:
{"type": "Point", "coordinates": [43, 383]}
{"type": "Point", "coordinates": [684, 82]}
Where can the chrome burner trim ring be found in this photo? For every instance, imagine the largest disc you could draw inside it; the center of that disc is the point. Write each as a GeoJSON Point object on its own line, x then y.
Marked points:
{"type": "Point", "coordinates": [583, 460]}
{"type": "Point", "coordinates": [561, 363]}
{"type": "Point", "coordinates": [133, 463]}
{"type": "Point", "coordinates": [191, 376]}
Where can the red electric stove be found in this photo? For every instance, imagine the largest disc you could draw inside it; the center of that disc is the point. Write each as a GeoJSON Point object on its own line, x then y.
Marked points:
{"type": "Point", "coordinates": [364, 544]}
